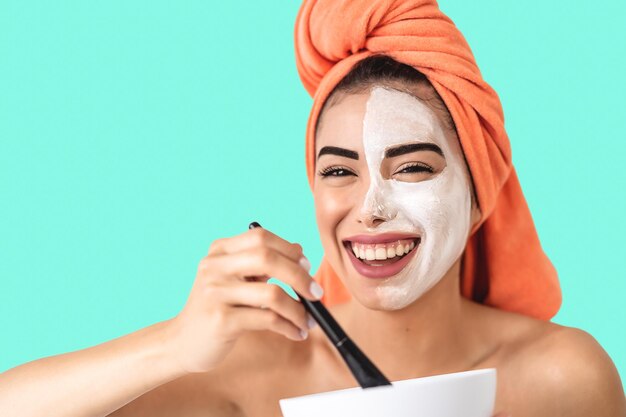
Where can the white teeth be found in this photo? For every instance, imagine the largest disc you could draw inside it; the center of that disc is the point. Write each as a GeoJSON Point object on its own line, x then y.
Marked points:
{"type": "Point", "coordinates": [381, 252]}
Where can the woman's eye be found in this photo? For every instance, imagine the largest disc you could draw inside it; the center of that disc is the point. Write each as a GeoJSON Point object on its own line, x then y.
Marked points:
{"type": "Point", "coordinates": [335, 172]}
{"type": "Point", "coordinates": [415, 168]}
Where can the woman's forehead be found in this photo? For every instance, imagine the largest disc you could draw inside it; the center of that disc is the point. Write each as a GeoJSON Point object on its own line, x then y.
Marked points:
{"type": "Point", "coordinates": [342, 123]}
{"type": "Point", "coordinates": [383, 115]}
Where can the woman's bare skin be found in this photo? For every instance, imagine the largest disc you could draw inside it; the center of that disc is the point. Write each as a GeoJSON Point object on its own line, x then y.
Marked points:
{"type": "Point", "coordinates": [544, 369]}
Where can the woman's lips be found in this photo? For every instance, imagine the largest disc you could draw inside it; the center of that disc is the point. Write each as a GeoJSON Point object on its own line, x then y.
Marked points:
{"type": "Point", "coordinates": [381, 237]}
{"type": "Point", "coordinates": [382, 271]}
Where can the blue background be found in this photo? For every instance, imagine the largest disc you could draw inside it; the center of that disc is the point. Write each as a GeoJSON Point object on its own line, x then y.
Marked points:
{"type": "Point", "coordinates": [134, 133]}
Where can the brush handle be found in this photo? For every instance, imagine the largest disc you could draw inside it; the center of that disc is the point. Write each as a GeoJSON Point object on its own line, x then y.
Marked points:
{"type": "Point", "coordinates": [321, 315]}
{"type": "Point", "coordinates": [365, 372]}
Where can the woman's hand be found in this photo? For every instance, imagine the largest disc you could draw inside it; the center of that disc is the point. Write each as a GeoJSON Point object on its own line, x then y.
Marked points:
{"type": "Point", "coordinates": [502, 414]}
{"type": "Point", "coordinates": [230, 296]}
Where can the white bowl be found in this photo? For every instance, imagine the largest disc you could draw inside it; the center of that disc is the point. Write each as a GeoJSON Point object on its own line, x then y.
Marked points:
{"type": "Point", "coordinates": [466, 394]}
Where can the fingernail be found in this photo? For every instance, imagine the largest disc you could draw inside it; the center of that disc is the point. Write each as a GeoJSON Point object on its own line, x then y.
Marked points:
{"type": "Point", "coordinates": [316, 290]}
{"type": "Point", "coordinates": [311, 322]}
{"type": "Point", "coordinates": [304, 334]}
{"type": "Point", "coordinates": [304, 263]}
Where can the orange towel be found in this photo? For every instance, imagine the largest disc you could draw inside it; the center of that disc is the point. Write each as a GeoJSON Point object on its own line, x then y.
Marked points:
{"type": "Point", "coordinates": [504, 265]}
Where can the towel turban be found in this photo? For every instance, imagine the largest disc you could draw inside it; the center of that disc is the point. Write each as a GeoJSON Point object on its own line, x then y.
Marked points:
{"type": "Point", "coordinates": [503, 265]}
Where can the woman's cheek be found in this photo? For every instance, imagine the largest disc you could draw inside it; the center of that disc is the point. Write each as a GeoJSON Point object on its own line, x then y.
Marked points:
{"type": "Point", "coordinates": [417, 203]}
{"type": "Point", "coordinates": [329, 208]}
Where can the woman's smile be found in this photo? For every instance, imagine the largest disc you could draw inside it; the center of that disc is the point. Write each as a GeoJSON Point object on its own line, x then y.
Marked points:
{"type": "Point", "coordinates": [381, 255]}
{"type": "Point", "coordinates": [381, 260]}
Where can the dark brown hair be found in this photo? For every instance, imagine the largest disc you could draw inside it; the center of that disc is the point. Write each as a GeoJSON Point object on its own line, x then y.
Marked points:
{"type": "Point", "coordinates": [385, 71]}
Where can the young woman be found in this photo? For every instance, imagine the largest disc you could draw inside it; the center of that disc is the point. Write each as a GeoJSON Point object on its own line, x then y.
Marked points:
{"type": "Point", "coordinates": [432, 264]}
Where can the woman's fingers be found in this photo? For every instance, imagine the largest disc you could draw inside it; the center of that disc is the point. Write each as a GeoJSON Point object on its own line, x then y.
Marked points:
{"type": "Point", "coordinates": [272, 297]}
{"type": "Point", "coordinates": [247, 318]}
{"type": "Point", "coordinates": [265, 261]}
{"type": "Point", "coordinates": [256, 238]}
{"type": "Point", "coordinates": [259, 238]}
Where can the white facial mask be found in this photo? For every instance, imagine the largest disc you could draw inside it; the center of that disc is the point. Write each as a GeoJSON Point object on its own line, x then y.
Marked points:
{"type": "Point", "coordinates": [437, 209]}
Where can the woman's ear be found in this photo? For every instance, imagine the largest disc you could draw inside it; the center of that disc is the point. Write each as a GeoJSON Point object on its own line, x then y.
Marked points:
{"type": "Point", "coordinates": [475, 211]}
{"type": "Point", "coordinates": [475, 215]}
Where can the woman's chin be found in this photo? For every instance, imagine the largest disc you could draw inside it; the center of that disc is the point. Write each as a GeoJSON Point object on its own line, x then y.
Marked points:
{"type": "Point", "coordinates": [380, 297]}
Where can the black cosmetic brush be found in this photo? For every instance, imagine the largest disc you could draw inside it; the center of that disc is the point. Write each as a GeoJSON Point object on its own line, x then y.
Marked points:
{"type": "Point", "coordinates": [366, 374]}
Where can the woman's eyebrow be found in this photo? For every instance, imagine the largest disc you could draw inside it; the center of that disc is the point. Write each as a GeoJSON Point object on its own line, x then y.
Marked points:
{"type": "Point", "coordinates": [338, 151]}
{"type": "Point", "coordinates": [412, 147]}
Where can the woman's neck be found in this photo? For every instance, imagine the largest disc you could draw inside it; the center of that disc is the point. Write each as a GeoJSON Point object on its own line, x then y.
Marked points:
{"type": "Point", "coordinates": [435, 334]}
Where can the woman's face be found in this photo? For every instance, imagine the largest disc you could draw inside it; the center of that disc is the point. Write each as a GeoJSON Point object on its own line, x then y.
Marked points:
{"type": "Point", "coordinates": [392, 196]}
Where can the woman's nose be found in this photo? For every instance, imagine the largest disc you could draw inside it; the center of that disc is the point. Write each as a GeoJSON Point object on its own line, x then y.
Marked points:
{"type": "Point", "coordinates": [371, 221]}
{"type": "Point", "coordinates": [375, 210]}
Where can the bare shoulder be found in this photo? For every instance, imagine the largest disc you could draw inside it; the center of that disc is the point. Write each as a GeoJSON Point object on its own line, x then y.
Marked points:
{"type": "Point", "coordinates": [553, 370]}
{"type": "Point", "coordinates": [574, 366]}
